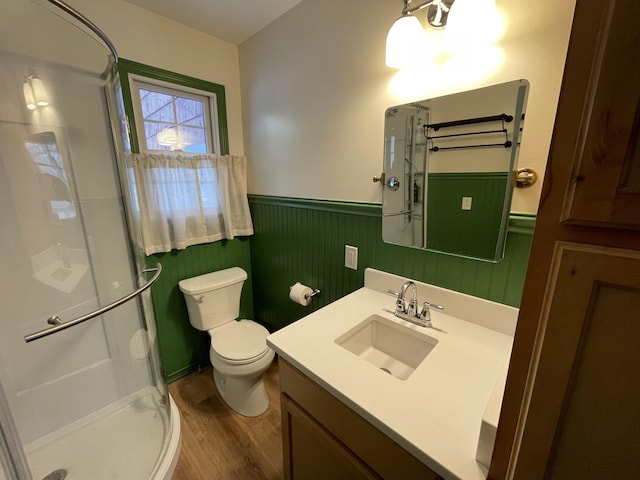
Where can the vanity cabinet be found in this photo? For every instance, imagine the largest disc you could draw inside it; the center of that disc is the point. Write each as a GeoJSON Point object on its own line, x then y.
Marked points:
{"type": "Point", "coordinates": [323, 438]}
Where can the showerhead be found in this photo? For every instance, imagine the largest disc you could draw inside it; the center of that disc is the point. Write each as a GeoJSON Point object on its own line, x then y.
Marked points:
{"type": "Point", "coordinates": [420, 107]}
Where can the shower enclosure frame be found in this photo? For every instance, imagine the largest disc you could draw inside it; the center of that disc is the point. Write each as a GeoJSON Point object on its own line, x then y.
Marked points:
{"type": "Point", "coordinates": [12, 457]}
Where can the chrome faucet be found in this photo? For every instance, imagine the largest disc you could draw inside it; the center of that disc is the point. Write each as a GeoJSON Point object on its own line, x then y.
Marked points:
{"type": "Point", "coordinates": [410, 312]}
{"type": "Point", "coordinates": [401, 306]}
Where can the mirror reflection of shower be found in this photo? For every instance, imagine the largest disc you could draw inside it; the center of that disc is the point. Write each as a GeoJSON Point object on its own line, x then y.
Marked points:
{"type": "Point", "coordinates": [453, 156]}
{"type": "Point", "coordinates": [404, 166]}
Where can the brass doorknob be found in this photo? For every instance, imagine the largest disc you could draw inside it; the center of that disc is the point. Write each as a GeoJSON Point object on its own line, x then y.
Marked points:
{"type": "Point", "coordinates": [524, 177]}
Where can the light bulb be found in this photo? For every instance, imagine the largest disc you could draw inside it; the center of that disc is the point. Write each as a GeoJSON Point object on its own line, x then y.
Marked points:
{"type": "Point", "coordinates": [29, 99]}
{"type": "Point", "coordinates": [39, 92]}
{"type": "Point", "coordinates": [167, 137]}
{"type": "Point", "coordinates": [405, 37]}
{"type": "Point", "coordinates": [472, 24]}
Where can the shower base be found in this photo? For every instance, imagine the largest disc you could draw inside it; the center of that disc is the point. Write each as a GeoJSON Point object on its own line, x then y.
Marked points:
{"type": "Point", "coordinates": [130, 439]}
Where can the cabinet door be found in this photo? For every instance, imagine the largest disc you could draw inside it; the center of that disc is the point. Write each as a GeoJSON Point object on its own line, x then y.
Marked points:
{"type": "Point", "coordinates": [571, 409]}
{"type": "Point", "coordinates": [312, 453]}
{"type": "Point", "coordinates": [584, 412]}
{"type": "Point", "coordinates": [605, 183]}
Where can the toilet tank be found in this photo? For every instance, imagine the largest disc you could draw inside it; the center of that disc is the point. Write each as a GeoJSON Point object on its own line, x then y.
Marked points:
{"type": "Point", "coordinates": [213, 299]}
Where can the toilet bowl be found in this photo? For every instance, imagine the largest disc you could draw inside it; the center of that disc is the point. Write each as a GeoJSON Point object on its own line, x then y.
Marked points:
{"type": "Point", "coordinates": [239, 352]}
{"type": "Point", "coordinates": [239, 355]}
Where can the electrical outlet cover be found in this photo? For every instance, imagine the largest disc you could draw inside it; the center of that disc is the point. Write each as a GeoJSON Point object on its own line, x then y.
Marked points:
{"type": "Point", "coordinates": [351, 257]}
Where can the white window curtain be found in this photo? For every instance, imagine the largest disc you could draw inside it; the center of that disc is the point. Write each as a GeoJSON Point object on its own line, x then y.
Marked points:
{"type": "Point", "coordinates": [186, 200]}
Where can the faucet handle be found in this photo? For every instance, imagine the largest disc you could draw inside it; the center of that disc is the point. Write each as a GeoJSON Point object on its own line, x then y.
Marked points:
{"type": "Point", "coordinates": [400, 305]}
{"type": "Point", "coordinates": [426, 309]}
{"type": "Point", "coordinates": [434, 305]}
{"type": "Point", "coordinates": [427, 305]}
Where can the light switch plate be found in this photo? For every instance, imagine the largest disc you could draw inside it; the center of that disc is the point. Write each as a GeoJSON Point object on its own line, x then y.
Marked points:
{"type": "Point", "coordinates": [351, 257]}
{"type": "Point", "coordinates": [466, 203]}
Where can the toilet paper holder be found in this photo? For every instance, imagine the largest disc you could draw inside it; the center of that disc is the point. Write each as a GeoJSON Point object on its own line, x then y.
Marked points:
{"type": "Point", "coordinates": [316, 291]}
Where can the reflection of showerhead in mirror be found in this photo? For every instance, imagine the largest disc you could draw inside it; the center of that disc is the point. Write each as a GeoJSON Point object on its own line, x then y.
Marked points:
{"type": "Point", "coordinates": [392, 112]}
{"type": "Point", "coordinates": [419, 107]}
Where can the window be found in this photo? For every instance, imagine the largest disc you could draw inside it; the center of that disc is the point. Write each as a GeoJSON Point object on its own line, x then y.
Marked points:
{"type": "Point", "coordinates": [185, 187]}
{"type": "Point", "coordinates": [44, 152]}
{"type": "Point", "coordinates": [173, 112]}
{"type": "Point", "coordinates": [173, 119]}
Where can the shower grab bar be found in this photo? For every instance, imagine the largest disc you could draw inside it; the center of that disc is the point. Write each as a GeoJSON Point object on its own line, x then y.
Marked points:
{"type": "Point", "coordinates": [60, 325]}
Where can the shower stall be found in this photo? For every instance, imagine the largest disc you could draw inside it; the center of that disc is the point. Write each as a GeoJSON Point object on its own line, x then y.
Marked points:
{"type": "Point", "coordinates": [81, 389]}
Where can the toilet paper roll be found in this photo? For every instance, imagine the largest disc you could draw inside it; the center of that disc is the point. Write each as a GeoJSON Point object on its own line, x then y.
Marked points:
{"type": "Point", "coordinates": [301, 294]}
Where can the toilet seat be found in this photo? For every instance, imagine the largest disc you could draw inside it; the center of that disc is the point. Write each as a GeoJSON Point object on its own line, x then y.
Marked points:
{"type": "Point", "coordinates": [240, 343]}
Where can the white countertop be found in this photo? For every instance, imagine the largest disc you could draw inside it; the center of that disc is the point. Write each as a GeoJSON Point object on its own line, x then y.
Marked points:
{"type": "Point", "coordinates": [436, 413]}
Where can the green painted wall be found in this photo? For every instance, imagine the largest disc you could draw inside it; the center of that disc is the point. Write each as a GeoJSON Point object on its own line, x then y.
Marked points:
{"type": "Point", "coordinates": [474, 232]}
{"type": "Point", "coordinates": [182, 347]}
{"type": "Point", "coordinates": [303, 240]}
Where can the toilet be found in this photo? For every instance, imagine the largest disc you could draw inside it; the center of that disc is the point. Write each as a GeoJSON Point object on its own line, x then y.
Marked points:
{"type": "Point", "coordinates": [239, 352]}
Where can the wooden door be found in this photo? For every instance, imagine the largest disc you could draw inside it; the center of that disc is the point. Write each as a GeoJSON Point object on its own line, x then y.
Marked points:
{"type": "Point", "coordinates": [572, 403]}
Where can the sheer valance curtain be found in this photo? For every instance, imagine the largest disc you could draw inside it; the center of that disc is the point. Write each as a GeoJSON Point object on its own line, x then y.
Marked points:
{"type": "Point", "coordinates": [185, 200]}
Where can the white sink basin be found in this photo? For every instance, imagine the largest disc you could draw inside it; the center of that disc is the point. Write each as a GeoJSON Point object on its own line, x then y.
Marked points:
{"type": "Point", "coordinates": [393, 348]}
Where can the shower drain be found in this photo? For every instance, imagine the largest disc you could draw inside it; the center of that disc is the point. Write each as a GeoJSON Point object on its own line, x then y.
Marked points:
{"type": "Point", "coordinates": [60, 474]}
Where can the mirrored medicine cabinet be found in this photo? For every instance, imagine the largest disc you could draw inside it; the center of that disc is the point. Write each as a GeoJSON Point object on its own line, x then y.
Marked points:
{"type": "Point", "coordinates": [447, 173]}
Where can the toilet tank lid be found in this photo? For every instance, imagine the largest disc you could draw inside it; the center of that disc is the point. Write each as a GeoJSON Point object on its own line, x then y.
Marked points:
{"type": "Point", "coordinates": [212, 281]}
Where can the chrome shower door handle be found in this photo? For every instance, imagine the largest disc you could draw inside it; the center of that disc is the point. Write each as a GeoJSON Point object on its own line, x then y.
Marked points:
{"type": "Point", "coordinates": [54, 320]}
{"type": "Point", "coordinates": [59, 325]}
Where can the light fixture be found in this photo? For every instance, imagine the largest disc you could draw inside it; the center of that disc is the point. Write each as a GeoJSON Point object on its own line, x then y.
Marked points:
{"type": "Point", "coordinates": [29, 98]}
{"type": "Point", "coordinates": [39, 92]}
{"type": "Point", "coordinates": [35, 93]}
{"type": "Point", "coordinates": [167, 137]}
{"type": "Point", "coordinates": [406, 37]}
{"type": "Point", "coordinates": [175, 137]}
{"type": "Point", "coordinates": [474, 24]}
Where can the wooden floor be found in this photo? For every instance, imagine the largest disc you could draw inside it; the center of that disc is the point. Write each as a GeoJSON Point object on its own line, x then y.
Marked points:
{"type": "Point", "coordinates": [218, 443]}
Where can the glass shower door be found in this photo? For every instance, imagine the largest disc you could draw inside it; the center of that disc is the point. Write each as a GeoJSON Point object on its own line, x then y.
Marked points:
{"type": "Point", "coordinates": [82, 399]}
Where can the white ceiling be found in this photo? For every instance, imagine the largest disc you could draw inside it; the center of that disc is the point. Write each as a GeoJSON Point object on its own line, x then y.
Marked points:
{"type": "Point", "coordinates": [230, 20]}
